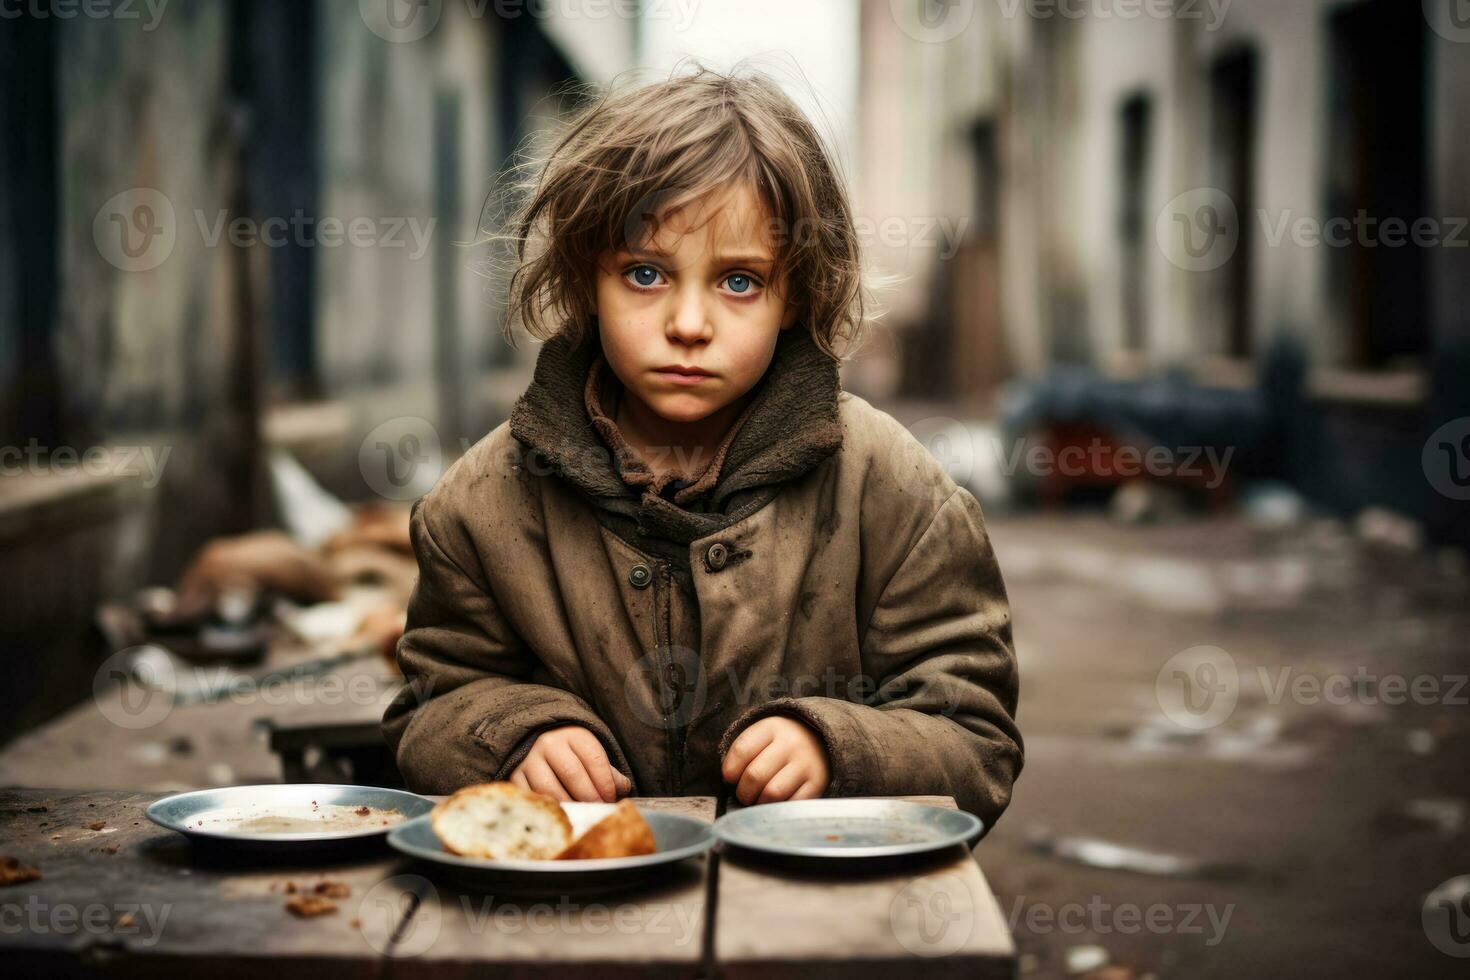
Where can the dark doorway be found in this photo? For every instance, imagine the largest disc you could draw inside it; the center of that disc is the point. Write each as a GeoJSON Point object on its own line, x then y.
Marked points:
{"type": "Point", "coordinates": [29, 390]}
{"type": "Point", "coordinates": [1377, 168]}
{"type": "Point", "coordinates": [274, 69]}
{"type": "Point", "coordinates": [1135, 121]}
{"type": "Point", "coordinates": [1234, 88]}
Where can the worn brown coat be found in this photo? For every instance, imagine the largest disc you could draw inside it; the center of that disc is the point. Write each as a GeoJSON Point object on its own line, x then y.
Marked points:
{"type": "Point", "coordinates": [825, 568]}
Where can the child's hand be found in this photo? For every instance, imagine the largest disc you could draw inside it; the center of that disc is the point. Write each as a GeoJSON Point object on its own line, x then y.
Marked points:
{"type": "Point", "coordinates": [776, 759]}
{"type": "Point", "coordinates": [569, 763]}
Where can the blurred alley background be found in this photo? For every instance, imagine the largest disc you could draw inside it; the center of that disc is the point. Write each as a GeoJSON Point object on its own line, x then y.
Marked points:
{"type": "Point", "coordinates": [1179, 288]}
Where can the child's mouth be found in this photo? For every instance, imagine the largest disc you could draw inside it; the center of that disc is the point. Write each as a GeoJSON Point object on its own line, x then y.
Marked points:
{"type": "Point", "coordinates": [680, 375]}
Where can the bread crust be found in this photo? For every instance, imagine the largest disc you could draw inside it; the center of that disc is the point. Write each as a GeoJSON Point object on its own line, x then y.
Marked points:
{"type": "Point", "coordinates": [622, 833]}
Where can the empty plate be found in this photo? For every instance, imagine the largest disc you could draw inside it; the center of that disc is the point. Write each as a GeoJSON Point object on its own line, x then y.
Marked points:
{"type": "Point", "coordinates": [847, 828]}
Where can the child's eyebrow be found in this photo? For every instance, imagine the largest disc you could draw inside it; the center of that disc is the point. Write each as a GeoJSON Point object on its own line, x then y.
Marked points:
{"type": "Point", "coordinates": [745, 258]}
{"type": "Point", "coordinates": [734, 258]}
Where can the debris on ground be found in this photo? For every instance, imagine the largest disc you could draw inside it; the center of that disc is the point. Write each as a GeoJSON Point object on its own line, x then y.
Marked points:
{"type": "Point", "coordinates": [262, 562]}
{"type": "Point", "coordinates": [310, 906]}
{"type": "Point", "coordinates": [1381, 526]}
{"type": "Point", "coordinates": [332, 889]}
{"type": "Point", "coordinates": [380, 630]}
{"type": "Point", "coordinates": [1111, 973]}
{"type": "Point", "coordinates": [12, 872]}
{"type": "Point", "coordinates": [1272, 504]}
{"type": "Point", "coordinates": [1420, 741]}
{"type": "Point", "coordinates": [1086, 959]}
{"type": "Point", "coordinates": [220, 774]}
{"type": "Point", "coordinates": [97, 825]}
{"type": "Point", "coordinates": [1094, 853]}
{"type": "Point", "coordinates": [1444, 815]}
{"type": "Point", "coordinates": [310, 512]}
{"type": "Point", "coordinates": [1146, 502]}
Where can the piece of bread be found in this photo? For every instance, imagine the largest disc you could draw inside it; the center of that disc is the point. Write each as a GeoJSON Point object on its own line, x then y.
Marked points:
{"type": "Point", "coordinates": [500, 821]}
{"type": "Point", "coordinates": [622, 833]}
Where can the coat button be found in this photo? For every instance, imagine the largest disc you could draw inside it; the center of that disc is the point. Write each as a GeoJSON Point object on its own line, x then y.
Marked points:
{"type": "Point", "coordinates": [716, 556]}
{"type": "Point", "coordinates": [639, 576]}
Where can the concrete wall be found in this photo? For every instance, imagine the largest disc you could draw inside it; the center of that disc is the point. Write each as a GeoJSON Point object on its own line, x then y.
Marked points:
{"type": "Point", "coordinates": [163, 337]}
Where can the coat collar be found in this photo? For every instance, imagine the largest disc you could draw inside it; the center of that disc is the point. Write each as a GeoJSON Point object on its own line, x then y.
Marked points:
{"type": "Point", "coordinates": [790, 426]}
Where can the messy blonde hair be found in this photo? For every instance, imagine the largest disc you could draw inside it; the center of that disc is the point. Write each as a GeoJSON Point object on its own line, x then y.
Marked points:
{"type": "Point", "coordinates": [630, 158]}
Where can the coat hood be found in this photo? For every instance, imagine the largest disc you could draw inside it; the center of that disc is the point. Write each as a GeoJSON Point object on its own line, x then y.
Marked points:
{"type": "Point", "coordinates": [790, 426]}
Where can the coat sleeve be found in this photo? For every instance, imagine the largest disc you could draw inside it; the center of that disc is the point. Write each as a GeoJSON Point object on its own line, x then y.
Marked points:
{"type": "Point", "coordinates": [940, 718]}
{"type": "Point", "coordinates": [469, 710]}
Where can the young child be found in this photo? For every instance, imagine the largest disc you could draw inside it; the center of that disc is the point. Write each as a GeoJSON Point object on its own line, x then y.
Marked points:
{"type": "Point", "coordinates": [690, 561]}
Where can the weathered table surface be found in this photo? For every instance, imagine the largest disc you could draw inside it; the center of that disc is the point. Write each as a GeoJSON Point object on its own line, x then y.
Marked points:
{"type": "Point", "coordinates": [131, 898]}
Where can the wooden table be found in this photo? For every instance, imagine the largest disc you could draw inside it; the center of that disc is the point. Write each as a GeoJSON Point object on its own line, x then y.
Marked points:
{"type": "Point", "coordinates": [131, 898]}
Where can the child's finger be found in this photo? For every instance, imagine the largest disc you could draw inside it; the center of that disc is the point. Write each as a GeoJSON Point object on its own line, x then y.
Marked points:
{"type": "Point", "coordinates": [782, 785]}
{"type": "Point", "coordinates": [746, 747]}
{"type": "Point", "coordinates": [809, 790]}
{"type": "Point", "coordinates": [518, 778]}
{"type": "Point", "coordinates": [625, 785]}
{"type": "Point", "coordinates": [570, 770]}
{"type": "Point", "coordinates": [541, 779]}
{"type": "Point", "coordinates": [758, 774]}
{"type": "Point", "coordinates": [594, 760]}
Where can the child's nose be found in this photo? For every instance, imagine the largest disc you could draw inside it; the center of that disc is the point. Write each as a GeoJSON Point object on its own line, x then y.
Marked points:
{"type": "Point", "coordinates": [689, 320]}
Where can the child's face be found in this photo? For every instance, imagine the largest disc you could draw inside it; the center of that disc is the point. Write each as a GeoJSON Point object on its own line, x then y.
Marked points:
{"type": "Point", "coordinates": [698, 297]}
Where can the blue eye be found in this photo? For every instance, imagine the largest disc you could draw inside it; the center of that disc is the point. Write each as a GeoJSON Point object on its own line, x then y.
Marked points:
{"type": "Point", "coordinates": [644, 275]}
{"type": "Point", "coordinates": [739, 283]}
